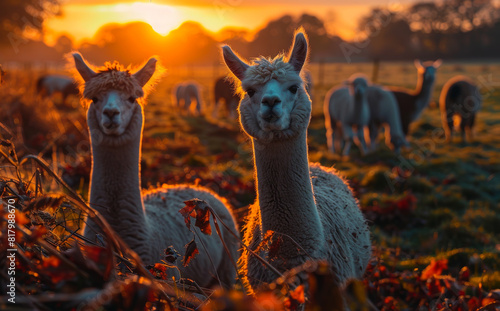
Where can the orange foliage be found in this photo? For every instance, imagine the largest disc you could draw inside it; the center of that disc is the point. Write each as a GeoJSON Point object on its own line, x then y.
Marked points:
{"type": "Point", "coordinates": [436, 267]}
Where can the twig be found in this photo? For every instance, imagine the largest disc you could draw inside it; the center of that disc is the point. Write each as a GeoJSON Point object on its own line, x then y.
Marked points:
{"type": "Point", "coordinates": [262, 260]}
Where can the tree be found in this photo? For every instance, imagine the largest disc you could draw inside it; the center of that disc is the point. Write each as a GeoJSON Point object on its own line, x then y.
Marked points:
{"type": "Point", "coordinates": [17, 17]}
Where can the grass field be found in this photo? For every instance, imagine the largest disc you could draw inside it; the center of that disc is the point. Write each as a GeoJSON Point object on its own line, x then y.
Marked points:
{"type": "Point", "coordinates": [434, 203]}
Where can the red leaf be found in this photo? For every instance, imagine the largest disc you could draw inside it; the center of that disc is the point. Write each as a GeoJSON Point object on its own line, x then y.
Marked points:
{"type": "Point", "coordinates": [275, 246]}
{"type": "Point", "coordinates": [191, 251]}
{"type": "Point", "coordinates": [436, 267]}
{"type": "Point", "coordinates": [203, 220]}
{"type": "Point", "coordinates": [464, 274]}
{"type": "Point", "coordinates": [298, 294]}
{"type": "Point", "coordinates": [187, 212]}
{"type": "Point", "coordinates": [200, 210]}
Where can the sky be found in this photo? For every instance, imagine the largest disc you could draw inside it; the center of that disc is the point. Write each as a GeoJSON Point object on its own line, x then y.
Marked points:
{"type": "Point", "coordinates": [82, 18]}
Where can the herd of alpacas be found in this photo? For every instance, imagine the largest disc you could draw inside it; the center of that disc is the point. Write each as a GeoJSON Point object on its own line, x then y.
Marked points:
{"type": "Point", "coordinates": [310, 207]}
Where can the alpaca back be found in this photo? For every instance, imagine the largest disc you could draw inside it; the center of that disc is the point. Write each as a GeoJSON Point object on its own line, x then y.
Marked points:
{"type": "Point", "coordinates": [340, 106]}
{"type": "Point", "coordinates": [349, 250]}
{"type": "Point", "coordinates": [223, 89]}
{"type": "Point", "coordinates": [460, 96]}
{"type": "Point", "coordinates": [384, 109]}
{"type": "Point", "coordinates": [346, 231]}
{"type": "Point", "coordinates": [50, 84]}
{"type": "Point", "coordinates": [168, 229]}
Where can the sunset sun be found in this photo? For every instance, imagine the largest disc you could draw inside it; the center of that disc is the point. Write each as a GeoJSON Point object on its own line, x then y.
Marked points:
{"type": "Point", "coordinates": [162, 18]}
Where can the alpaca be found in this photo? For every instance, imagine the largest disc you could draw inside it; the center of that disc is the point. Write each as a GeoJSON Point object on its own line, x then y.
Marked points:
{"type": "Point", "coordinates": [187, 92]}
{"type": "Point", "coordinates": [412, 102]}
{"type": "Point", "coordinates": [305, 202]}
{"type": "Point", "coordinates": [151, 223]}
{"type": "Point", "coordinates": [309, 84]}
{"type": "Point", "coordinates": [224, 90]}
{"type": "Point", "coordinates": [48, 85]}
{"type": "Point", "coordinates": [384, 110]}
{"type": "Point", "coordinates": [345, 108]}
{"type": "Point", "coordinates": [461, 96]}
{"type": "Point", "coordinates": [2, 74]}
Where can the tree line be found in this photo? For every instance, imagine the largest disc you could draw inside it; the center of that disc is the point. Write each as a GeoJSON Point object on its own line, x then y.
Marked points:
{"type": "Point", "coordinates": [451, 29]}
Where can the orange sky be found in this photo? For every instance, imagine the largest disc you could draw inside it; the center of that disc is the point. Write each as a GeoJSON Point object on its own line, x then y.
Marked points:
{"type": "Point", "coordinates": [82, 18]}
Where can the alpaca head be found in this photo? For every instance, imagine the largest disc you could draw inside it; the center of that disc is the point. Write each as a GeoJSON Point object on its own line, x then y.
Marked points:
{"type": "Point", "coordinates": [428, 69]}
{"type": "Point", "coordinates": [275, 104]}
{"type": "Point", "coordinates": [115, 94]}
{"type": "Point", "coordinates": [358, 86]}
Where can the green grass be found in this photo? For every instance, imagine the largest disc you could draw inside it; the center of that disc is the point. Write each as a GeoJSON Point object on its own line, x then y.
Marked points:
{"type": "Point", "coordinates": [456, 186]}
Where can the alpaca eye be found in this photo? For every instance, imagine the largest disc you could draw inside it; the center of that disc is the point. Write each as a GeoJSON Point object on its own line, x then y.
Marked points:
{"type": "Point", "coordinates": [131, 99]}
{"type": "Point", "coordinates": [250, 92]}
{"type": "Point", "coordinates": [95, 100]}
{"type": "Point", "coordinates": [293, 89]}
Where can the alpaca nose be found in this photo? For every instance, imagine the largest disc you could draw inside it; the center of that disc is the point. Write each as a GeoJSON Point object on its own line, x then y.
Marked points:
{"type": "Point", "coordinates": [111, 112]}
{"type": "Point", "coordinates": [271, 100]}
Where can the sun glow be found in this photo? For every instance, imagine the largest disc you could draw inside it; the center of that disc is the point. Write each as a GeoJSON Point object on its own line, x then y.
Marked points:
{"type": "Point", "coordinates": [163, 18]}
{"type": "Point", "coordinates": [83, 20]}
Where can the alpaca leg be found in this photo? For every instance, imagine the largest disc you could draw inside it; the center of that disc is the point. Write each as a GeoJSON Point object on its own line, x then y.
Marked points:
{"type": "Point", "coordinates": [463, 126]}
{"type": "Point", "coordinates": [470, 126]}
{"type": "Point", "coordinates": [448, 125]}
{"type": "Point", "coordinates": [187, 104]}
{"type": "Point", "coordinates": [373, 128]}
{"type": "Point", "coordinates": [339, 138]}
{"type": "Point", "coordinates": [216, 108]}
{"type": "Point", "coordinates": [348, 138]}
{"type": "Point", "coordinates": [362, 138]}
{"type": "Point", "coordinates": [330, 136]}
{"type": "Point", "coordinates": [198, 106]}
{"type": "Point", "coordinates": [359, 140]}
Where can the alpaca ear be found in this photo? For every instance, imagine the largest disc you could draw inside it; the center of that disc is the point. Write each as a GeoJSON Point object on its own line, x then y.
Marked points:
{"type": "Point", "coordinates": [418, 64]}
{"type": "Point", "coordinates": [146, 72]}
{"type": "Point", "coordinates": [437, 63]}
{"type": "Point", "coordinates": [298, 53]}
{"type": "Point", "coordinates": [85, 71]}
{"type": "Point", "coordinates": [234, 63]}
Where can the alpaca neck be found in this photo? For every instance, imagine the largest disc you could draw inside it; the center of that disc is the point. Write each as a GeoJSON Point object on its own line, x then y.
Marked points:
{"type": "Point", "coordinates": [360, 105]}
{"type": "Point", "coordinates": [423, 93]}
{"type": "Point", "coordinates": [115, 189]}
{"type": "Point", "coordinates": [284, 192]}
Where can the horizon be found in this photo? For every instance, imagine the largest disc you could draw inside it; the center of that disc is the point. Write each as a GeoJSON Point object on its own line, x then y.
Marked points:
{"type": "Point", "coordinates": [92, 16]}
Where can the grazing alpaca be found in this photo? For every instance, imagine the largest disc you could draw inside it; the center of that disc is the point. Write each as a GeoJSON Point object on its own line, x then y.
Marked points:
{"type": "Point", "coordinates": [345, 108]}
{"type": "Point", "coordinates": [309, 84]}
{"type": "Point", "coordinates": [151, 223]}
{"type": "Point", "coordinates": [187, 92]}
{"type": "Point", "coordinates": [461, 96]}
{"type": "Point", "coordinates": [2, 74]}
{"type": "Point", "coordinates": [48, 85]}
{"type": "Point", "coordinates": [412, 102]}
{"type": "Point", "coordinates": [307, 203]}
{"type": "Point", "coordinates": [384, 110]}
{"type": "Point", "coordinates": [224, 90]}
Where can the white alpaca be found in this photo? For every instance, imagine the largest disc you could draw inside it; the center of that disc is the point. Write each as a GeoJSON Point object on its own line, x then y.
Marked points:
{"type": "Point", "coordinates": [384, 111]}
{"type": "Point", "coordinates": [459, 96]}
{"type": "Point", "coordinates": [48, 85]}
{"type": "Point", "coordinates": [412, 102]}
{"type": "Point", "coordinates": [309, 203]}
{"type": "Point", "coordinates": [185, 94]}
{"type": "Point", "coordinates": [151, 223]}
{"type": "Point", "coordinates": [346, 109]}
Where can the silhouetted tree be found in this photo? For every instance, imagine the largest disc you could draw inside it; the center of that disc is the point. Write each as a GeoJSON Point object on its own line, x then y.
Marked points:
{"type": "Point", "coordinates": [452, 28]}
{"type": "Point", "coordinates": [18, 16]}
{"type": "Point", "coordinates": [275, 37]}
